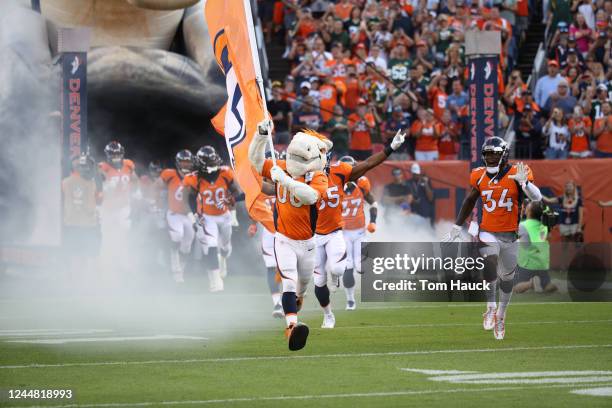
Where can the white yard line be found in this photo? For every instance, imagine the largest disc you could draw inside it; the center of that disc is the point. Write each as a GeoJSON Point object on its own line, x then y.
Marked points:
{"type": "Point", "coordinates": [50, 332]}
{"type": "Point", "coordinates": [107, 339]}
{"type": "Point", "coordinates": [313, 356]}
{"type": "Point", "coordinates": [302, 397]}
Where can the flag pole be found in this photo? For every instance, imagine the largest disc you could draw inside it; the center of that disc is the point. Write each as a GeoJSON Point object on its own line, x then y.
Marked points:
{"type": "Point", "coordinates": [257, 66]}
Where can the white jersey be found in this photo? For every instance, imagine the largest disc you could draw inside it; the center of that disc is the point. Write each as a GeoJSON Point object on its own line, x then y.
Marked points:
{"type": "Point", "coordinates": [558, 136]}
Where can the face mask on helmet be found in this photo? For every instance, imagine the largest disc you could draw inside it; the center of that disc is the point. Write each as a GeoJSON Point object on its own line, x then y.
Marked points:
{"type": "Point", "coordinates": [85, 167]}
{"type": "Point", "coordinates": [492, 161]}
{"type": "Point", "coordinates": [154, 170]}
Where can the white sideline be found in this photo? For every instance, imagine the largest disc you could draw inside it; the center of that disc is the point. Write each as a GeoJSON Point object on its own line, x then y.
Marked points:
{"type": "Point", "coordinates": [302, 397]}
{"type": "Point", "coordinates": [299, 357]}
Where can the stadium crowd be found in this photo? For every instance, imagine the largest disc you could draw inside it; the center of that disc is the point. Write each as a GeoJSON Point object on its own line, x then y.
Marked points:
{"type": "Point", "coordinates": [360, 70]}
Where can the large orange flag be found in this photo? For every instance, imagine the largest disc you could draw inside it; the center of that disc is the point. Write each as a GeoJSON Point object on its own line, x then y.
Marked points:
{"type": "Point", "coordinates": [237, 120]}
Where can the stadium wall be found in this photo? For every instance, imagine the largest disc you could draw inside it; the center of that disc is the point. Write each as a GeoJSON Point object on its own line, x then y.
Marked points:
{"type": "Point", "coordinates": [450, 181]}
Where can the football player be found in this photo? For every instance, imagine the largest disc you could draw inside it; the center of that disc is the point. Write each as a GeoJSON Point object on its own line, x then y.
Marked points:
{"type": "Point", "coordinates": [331, 247]}
{"type": "Point", "coordinates": [355, 194]}
{"type": "Point", "coordinates": [300, 182]}
{"type": "Point", "coordinates": [216, 192]}
{"type": "Point", "coordinates": [502, 187]}
{"type": "Point", "coordinates": [179, 218]}
{"type": "Point", "coordinates": [120, 188]}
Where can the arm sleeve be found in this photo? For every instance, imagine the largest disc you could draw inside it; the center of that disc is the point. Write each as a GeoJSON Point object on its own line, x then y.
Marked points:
{"type": "Point", "coordinates": [532, 192]}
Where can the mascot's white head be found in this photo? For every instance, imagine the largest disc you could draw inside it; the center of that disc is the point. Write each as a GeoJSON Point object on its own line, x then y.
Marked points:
{"type": "Point", "coordinates": [306, 152]}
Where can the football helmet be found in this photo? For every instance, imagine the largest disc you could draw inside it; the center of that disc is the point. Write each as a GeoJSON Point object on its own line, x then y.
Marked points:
{"type": "Point", "coordinates": [154, 169]}
{"type": "Point", "coordinates": [348, 159]}
{"type": "Point", "coordinates": [114, 154]}
{"type": "Point", "coordinates": [207, 160]}
{"type": "Point", "coordinates": [269, 155]}
{"type": "Point", "coordinates": [184, 162]}
{"type": "Point", "coordinates": [86, 166]}
{"type": "Point", "coordinates": [494, 154]}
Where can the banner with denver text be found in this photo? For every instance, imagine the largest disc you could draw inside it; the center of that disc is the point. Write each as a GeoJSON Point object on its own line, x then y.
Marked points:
{"type": "Point", "coordinates": [74, 107]}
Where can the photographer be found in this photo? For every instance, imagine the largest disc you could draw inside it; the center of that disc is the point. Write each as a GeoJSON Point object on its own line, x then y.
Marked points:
{"type": "Point", "coordinates": [422, 194]}
{"type": "Point", "coordinates": [571, 213]}
{"type": "Point", "coordinates": [534, 250]}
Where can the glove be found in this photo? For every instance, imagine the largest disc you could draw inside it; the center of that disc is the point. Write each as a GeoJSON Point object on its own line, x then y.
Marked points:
{"type": "Point", "coordinates": [277, 174]}
{"type": "Point", "coordinates": [252, 230]}
{"type": "Point", "coordinates": [371, 227]}
{"type": "Point", "coordinates": [264, 128]}
{"type": "Point", "coordinates": [453, 234]}
{"type": "Point", "coordinates": [398, 140]}
{"type": "Point", "coordinates": [521, 174]}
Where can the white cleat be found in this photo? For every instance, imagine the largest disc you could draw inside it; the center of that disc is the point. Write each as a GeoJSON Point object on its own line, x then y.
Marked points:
{"type": "Point", "coordinates": [350, 305]}
{"type": "Point", "coordinates": [329, 321]}
{"type": "Point", "coordinates": [277, 312]}
{"type": "Point", "coordinates": [500, 328]}
{"type": "Point", "coordinates": [488, 319]}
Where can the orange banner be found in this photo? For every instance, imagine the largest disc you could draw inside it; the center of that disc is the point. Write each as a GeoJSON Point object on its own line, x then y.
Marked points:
{"type": "Point", "coordinates": [450, 181]}
{"type": "Point", "coordinates": [229, 33]}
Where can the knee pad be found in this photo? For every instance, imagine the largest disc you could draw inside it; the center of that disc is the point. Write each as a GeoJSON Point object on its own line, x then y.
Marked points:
{"type": "Point", "coordinates": [506, 285]}
{"type": "Point", "coordinates": [322, 294]}
{"type": "Point", "coordinates": [348, 280]}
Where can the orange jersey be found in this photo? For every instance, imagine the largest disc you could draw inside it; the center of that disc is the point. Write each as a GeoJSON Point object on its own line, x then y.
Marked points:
{"type": "Point", "coordinates": [268, 202]}
{"type": "Point", "coordinates": [117, 183]}
{"type": "Point", "coordinates": [292, 218]}
{"type": "Point", "coordinates": [176, 196]}
{"type": "Point", "coordinates": [352, 205]}
{"type": "Point", "coordinates": [212, 196]}
{"type": "Point", "coordinates": [501, 199]}
{"type": "Point", "coordinates": [330, 206]}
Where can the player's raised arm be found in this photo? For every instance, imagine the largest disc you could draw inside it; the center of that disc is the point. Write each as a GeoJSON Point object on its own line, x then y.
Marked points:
{"type": "Point", "coordinates": [363, 167]}
{"type": "Point", "coordinates": [524, 177]}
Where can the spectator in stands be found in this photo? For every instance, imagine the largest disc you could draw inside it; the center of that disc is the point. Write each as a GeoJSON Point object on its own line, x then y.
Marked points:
{"type": "Point", "coordinates": [584, 35]}
{"type": "Point", "coordinates": [595, 106]}
{"type": "Point", "coordinates": [557, 132]}
{"type": "Point", "coordinates": [547, 84]}
{"type": "Point", "coordinates": [450, 133]}
{"type": "Point", "coordinates": [561, 99]}
{"type": "Point", "coordinates": [397, 121]}
{"type": "Point", "coordinates": [426, 132]}
{"type": "Point", "coordinates": [305, 88]}
{"type": "Point", "coordinates": [361, 125]}
{"type": "Point", "coordinates": [571, 212]}
{"type": "Point", "coordinates": [528, 133]}
{"type": "Point", "coordinates": [422, 194]}
{"type": "Point", "coordinates": [602, 131]}
{"type": "Point", "coordinates": [457, 101]}
{"type": "Point", "coordinates": [580, 127]}
{"type": "Point", "coordinates": [337, 128]}
{"type": "Point", "coordinates": [396, 195]}
{"type": "Point", "coordinates": [281, 114]}
{"type": "Point", "coordinates": [307, 116]}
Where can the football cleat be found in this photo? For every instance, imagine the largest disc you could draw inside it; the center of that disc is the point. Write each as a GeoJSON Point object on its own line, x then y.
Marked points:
{"type": "Point", "coordinates": [350, 305]}
{"type": "Point", "coordinates": [329, 321]}
{"type": "Point", "coordinates": [488, 319]}
{"type": "Point", "coordinates": [277, 312]}
{"type": "Point", "coordinates": [297, 334]}
{"type": "Point", "coordinates": [499, 330]}
{"type": "Point", "coordinates": [537, 284]}
{"type": "Point", "coordinates": [300, 302]}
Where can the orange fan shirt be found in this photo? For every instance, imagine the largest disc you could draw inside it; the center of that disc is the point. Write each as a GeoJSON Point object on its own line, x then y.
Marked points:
{"type": "Point", "coordinates": [211, 195]}
{"type": "Point", "coordinates": [360, 137]}
{"type": "Point", "coordinates": [292, 218]}
{"type": "Point", "coordinates": [330, 206]}
{"type": "Point", "coordinates": [353, 203]}
{"type": "Point", "coordinates": [176, 194]}
{"type": "Point", "coordinates": [501, 199]}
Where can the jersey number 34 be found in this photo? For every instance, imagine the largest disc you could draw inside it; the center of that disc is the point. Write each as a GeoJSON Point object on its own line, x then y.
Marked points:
{"type": "Point", "coordinates": [490, 204]}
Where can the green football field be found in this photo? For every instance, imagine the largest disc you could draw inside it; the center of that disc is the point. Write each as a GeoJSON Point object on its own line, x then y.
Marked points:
{"type": "Point", "coordinates": [187, 348]}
